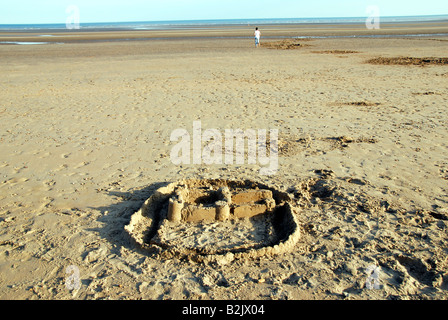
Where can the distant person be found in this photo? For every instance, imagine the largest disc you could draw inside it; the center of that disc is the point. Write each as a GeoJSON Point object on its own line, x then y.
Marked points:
{"type": "Point", "coordinates": [257, 37]}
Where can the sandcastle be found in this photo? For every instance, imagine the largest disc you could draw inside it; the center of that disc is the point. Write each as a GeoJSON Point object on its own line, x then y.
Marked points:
{"type": "Point", "coordinates": [206, 220]}
{"type": "Point", "coordinates": [194, 205]}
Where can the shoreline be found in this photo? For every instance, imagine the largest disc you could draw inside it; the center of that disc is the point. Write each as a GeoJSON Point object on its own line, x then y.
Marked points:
{"type": "Point", "coordinates": [279, 31]}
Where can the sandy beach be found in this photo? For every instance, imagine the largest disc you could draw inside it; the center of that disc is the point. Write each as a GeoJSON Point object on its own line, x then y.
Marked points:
{"type": "Point", "coordinates": [85, 132]}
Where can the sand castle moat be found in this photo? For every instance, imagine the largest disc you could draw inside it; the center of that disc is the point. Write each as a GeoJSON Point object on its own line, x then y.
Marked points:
{"type": "Point", "coordinates": [215, 219]}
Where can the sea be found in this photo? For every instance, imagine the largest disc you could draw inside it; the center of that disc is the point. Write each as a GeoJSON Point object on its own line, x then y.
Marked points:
{"type": "Point", "coordinates": [204, 24]}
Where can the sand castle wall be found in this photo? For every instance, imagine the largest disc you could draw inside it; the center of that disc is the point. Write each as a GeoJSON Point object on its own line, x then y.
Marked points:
{"type": "Point", "coordinates": [193, 202]}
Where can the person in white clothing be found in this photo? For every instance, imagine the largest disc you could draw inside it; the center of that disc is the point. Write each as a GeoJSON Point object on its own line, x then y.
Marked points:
{"type": "Point", "coordinates": [257, 37]}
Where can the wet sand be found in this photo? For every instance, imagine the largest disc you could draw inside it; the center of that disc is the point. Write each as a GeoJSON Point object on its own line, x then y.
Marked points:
{"type": "Point", "coordinates": [228, 31]}
{"type": "Point", "coordinates": [85, 139]}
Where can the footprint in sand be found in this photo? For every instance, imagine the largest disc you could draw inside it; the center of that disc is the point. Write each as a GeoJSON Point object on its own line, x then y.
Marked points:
{"type": "Point", "coordinates": [14, 181]}
{"type": "Point", "coordinates": [82, 164]}
{"type": "Point", "coordinates": [49, 183]}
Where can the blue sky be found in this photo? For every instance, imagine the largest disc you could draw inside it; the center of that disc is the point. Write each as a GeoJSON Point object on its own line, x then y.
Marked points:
{"type": "Point", "coordinates": [54, 11]}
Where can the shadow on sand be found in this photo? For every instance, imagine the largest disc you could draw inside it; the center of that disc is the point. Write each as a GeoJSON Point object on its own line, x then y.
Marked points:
{"type": "Point", "coordinates": [116, 216]}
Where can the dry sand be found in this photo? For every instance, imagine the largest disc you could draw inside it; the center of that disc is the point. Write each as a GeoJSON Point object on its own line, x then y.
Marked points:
{"type": "Point", "coordinates": [85, 140]}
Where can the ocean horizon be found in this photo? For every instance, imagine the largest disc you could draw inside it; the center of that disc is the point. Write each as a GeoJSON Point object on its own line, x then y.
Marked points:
{"type": "Point", "coordinates": [177, 24]}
